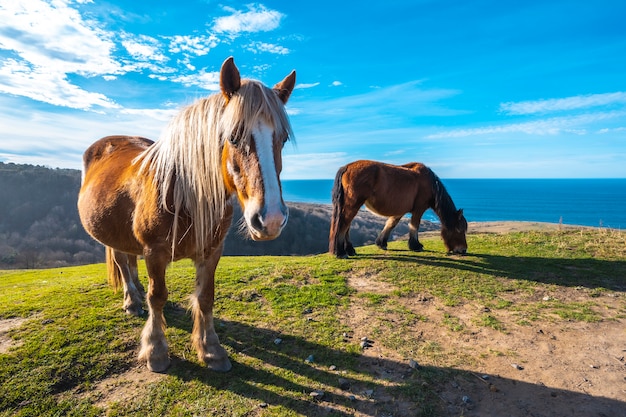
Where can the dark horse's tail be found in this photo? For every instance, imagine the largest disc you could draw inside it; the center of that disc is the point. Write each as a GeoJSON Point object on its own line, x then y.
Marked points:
{"type": "Point", "coordinates": [338, 200]}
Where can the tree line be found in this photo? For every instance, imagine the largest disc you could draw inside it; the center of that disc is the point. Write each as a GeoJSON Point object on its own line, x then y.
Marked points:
{"type": "Point", "coordinates": [40, 226]}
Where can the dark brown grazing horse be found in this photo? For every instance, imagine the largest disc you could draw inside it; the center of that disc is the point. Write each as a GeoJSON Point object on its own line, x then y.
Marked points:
{"type": "Point", "coordinates": [171, 199]}
{"type": "Point", "coordinates": [392, 191]}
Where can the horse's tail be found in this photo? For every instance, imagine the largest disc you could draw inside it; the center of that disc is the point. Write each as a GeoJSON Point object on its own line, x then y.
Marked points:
{"type": "Point", "coordinates": [114, 276]}
{"type": "Point", "coordinates": [337, 196]}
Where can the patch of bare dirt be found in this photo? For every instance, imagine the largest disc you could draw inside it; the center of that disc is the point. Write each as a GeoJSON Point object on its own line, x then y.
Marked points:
{"type": "Point", "coordinates": [515, 226]}
{"type": "Point", "coordinates": [549, 368]}
{"type": "Point", "coordinates": [7, 325]}
{"type": "Point", "coordinates": [122, 387]}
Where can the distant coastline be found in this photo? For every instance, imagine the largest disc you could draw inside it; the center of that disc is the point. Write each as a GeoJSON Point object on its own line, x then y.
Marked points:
{"type": "Point", "coordinates": [584, 202]}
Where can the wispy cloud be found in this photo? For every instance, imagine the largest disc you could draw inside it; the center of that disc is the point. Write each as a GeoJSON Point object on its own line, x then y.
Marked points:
{"type": "Point", "coordinates": [19, 78]}
{"type": "Point", "coordinates": [563, 104]}
{"type": "Point", "coordinates": [257, 47]}
{"type": "Point", "coordinates": [55, 36]}
{"type": "Point", "coordinates": [46, 42]}
{"type": "Point", "coordinates": [393, 103]}
{"type": "Point", "coordinates": [257, 18]}
{"type": "Point", "coordinates": [313, 165]}
{"type": "Point", "coordinates": [305, 85]}
{"type": "Point", "coordinates": [58, 139]}
{"type": "Point", "coordinates": [551, 126]}
{"type": "Point", "coordinates": [207, 80]}
{"type": "Point", "coordinates": [192, 45]}
{"type": "Point", "coordinates": [144, 48]}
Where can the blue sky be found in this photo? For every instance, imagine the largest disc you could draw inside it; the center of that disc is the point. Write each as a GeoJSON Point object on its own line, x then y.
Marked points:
{"type": "Point", "coordinates": [474, 89]}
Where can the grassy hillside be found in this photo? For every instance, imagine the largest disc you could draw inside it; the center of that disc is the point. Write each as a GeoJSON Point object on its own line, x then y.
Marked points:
{"type": "Point", "coordinates": [46, 232]}
{"type": "Point", "coordinates": [68, 349]}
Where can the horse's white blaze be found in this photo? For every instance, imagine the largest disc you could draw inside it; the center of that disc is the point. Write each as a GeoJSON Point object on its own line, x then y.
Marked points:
{"type": "Point", "coordinates": [274, 216]}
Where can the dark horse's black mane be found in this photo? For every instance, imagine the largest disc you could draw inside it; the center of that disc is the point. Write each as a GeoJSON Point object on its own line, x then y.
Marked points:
{"type": "Point", "coordinates": [442, 203]}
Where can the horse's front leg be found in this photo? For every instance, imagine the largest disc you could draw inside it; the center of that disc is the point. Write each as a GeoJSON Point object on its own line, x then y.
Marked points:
{"type": "Point", "coordinates": [383, 237]}
{"type": "Point", "coordinates": [203, 337]}
{"type": "Point", "coordinates": [123, 267]}
{"type": "Point", "coordinates": [153, 342]}
{"type": "Point", "coordinates": [414, 227]}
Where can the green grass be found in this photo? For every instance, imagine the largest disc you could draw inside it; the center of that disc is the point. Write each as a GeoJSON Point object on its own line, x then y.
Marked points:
{"type": "Point", "coordinates": [75, 335]}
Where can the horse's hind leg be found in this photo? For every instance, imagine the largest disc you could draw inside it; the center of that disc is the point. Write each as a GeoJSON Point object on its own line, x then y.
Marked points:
{"type": "Point", "coordinates": [153, 343]}
{"type": "Point", "coordinates": [134, 292]}
{"type": "Point", "coordinates": [349, 248]}
{"type": "Point", "coordinates": [134, 272]}
{"type": "Point", "coordinates": [414, 227]}
{"type": "Point", "coordinates": [343, 243]}
{"type": "Point", "coordinates": [383, 237]}
{"type": "Point", "coordinates": [203, 337]}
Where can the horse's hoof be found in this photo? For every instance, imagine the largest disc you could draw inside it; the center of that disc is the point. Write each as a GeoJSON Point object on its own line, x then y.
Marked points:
{"type": "Point", "coordinates": [218, 361]}
{"type": "Point", "coordinates": [342, 256]}
{"type": "Point", "coordinates": [134, 311]}
{"type": "Point", "coordinates": [221, 365]}
{"type": "Point", "coordinates": [158, 366]}
{"type": "Point", "coordinates": [416, 247]}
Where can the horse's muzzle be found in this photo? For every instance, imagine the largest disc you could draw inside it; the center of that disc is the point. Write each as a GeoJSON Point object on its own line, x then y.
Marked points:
{"type": "Point", "coordinates": [267, 224]}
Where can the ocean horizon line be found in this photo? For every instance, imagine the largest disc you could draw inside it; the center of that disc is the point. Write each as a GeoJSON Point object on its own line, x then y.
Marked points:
{"type": "Point", "coordinates": [595, 202]}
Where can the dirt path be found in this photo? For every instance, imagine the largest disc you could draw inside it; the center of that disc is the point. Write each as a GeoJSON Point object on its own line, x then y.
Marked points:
{"type": "Point", "coordinates": [548, 369]}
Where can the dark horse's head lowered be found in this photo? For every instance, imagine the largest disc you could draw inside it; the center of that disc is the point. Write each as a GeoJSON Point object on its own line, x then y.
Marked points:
{"type": "Point", "coordinates": [453, 223]}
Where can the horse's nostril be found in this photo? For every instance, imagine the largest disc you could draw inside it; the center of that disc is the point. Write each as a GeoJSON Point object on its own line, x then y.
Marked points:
{"type": "Point", "coordinates": [256, 222]}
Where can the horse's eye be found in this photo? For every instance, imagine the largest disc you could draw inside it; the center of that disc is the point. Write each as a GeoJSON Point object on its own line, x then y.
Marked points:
{"type": "Point", "coordinates": [234, 140]}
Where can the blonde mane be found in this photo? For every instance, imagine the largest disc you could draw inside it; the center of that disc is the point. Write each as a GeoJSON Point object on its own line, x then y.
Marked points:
{"type": "Point", "coordinates": [187, 158]}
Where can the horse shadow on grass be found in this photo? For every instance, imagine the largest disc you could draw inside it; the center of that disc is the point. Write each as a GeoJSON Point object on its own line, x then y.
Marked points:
{"type": "Point", "coordinates": [588, 273]}
{"type": "Point", "coordinates": [355, 384]}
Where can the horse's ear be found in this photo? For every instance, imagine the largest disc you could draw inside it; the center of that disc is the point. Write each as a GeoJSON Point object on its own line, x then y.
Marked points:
{"type": "Point", "coordinates": [230, 80]}
{"type": "Point", "coordinates": [285, 87]}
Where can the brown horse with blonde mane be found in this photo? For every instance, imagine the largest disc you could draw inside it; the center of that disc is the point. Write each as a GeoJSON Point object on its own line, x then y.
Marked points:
{"type": "Point", "coordinates": [392, 191]}
{"type": "Point", "coordinates": [171, 199]}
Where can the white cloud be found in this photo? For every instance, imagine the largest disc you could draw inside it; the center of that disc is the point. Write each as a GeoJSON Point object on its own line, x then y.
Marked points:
{"type": "Point", "coordinates": [267, 47]}
{"type": "Point", "coordinates": [313, 165]}
{"type": "Point", "coordinates": [46, 42]}
{"type": "Point", "coordinates": [304, 85]}
{"type": "Point", "coordinates": [560, 104]}
{"type": "Point", "coordinates": [614, 130]}
{"type": "Point", "coordinates": [163, 115]}
{"type": "Point", "coordinates": [336, 83]}
{"type": "Point", "coordinates": [552, 126]}
{"type": "Point", "coordinates": [206, 80]}
{"type": "Point", "coordinates": [192, 45]}
{"type": "Point", "coordinates": [257, 19]}
{"type": "Point", "coordinates": [144, 48]}
{"type": "Point", "coordinates": [37, 83]}
{"type": "Point", "coordinates": [58, 138]}
{"type": "Point", "coordinates": [55, 36]}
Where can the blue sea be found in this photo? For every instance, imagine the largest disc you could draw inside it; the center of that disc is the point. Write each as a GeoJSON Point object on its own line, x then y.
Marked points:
{"type": "Point", "coordinates": [585, 202]}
